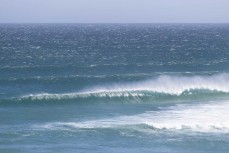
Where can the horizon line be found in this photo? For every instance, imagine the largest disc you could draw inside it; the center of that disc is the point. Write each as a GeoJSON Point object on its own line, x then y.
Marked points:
{"type": "Point", "coordinates": [114, 22]}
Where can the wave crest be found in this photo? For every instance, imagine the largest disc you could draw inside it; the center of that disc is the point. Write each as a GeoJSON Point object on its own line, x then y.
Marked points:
{"type": "Point", "coordinates": [174, 85]}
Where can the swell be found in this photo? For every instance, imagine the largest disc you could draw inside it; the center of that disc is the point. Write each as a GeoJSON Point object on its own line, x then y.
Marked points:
{"type": "Point", "coordinates": [65, 78]}
{"type": "Point", "coordinates": [100, 76]}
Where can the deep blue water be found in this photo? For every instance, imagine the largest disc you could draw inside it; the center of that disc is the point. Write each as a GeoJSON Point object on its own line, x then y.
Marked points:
{"type": "Point", "coordinates": [114, 88]}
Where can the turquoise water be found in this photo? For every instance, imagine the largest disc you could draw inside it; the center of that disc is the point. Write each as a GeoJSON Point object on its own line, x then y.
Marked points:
{"type": "Point", "coordinates": [114, 88]}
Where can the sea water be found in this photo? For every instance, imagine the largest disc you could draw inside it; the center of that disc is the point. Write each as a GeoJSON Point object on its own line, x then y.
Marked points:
{"type": "Point", "coordinates": [109, 88]}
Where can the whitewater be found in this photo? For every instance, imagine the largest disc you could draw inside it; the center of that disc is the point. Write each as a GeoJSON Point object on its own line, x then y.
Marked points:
{"type": "Point", "coordinates": [211, 117]}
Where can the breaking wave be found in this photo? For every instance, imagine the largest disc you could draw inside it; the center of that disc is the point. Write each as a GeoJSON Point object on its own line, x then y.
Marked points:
{"type": "Point", "coordinates": [161, 86]}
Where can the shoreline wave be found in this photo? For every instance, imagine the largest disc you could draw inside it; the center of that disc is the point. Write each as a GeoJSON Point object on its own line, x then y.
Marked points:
{"type": "Point", "coordinates": [211, 117]}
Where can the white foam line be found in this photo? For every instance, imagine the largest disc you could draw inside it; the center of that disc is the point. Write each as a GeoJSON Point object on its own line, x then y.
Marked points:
{"type": "Point", "coordinates": [83, 95]}
{"type": "Point", "coordinates": [213, 117]}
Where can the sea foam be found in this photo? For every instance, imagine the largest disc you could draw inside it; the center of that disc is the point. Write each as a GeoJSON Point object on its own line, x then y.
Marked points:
{"type": "Point", "coordinates": [211, 117]}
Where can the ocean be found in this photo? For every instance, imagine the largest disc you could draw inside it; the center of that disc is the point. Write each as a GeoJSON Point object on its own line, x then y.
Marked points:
{"type": "Point", "coordinates": [114, 88]}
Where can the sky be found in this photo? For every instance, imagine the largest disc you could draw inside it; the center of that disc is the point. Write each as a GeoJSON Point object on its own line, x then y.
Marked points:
{"type": "Point", "coordinates": [114, 11]}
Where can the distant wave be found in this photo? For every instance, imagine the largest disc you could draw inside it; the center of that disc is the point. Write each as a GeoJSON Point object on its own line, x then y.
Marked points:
{"type": "Point", "coordinates": [67, 77]}
{"type": "Point", "coordinates": [164, 85]}
{"type": "Point", "coordinates": [102, 76]}
{"type": "Point", "coordinates": [211, 117]}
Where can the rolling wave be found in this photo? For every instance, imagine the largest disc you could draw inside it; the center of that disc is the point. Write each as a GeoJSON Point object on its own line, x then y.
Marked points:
{"type": "Point", "coordinates": [162, 86]}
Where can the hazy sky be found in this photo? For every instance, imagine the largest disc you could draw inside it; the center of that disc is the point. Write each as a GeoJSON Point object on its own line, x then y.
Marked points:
{"type": "Point", "coordinates": [114, 11]}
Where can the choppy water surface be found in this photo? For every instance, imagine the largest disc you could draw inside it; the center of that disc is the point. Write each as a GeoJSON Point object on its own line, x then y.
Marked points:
{"type": "Point", "coordinates": [114, 88]}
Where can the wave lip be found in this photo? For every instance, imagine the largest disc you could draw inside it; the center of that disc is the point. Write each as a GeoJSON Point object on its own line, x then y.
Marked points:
{"type": "Point", "coordinates": [174, 85]}
{"type": "Point", "coordinates": [212, 117]}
